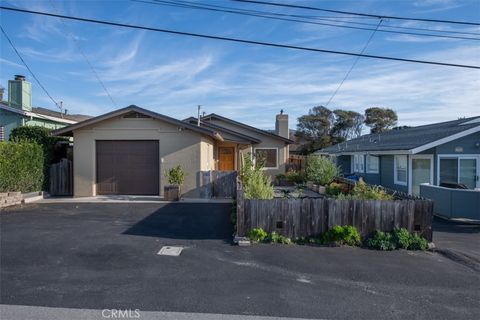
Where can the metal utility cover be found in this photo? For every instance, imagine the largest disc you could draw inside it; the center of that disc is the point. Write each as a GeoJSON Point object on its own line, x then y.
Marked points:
{"type": "Point", "coordinates": [170, 251]}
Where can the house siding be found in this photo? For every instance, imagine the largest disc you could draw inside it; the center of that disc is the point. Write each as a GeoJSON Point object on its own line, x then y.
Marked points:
{"type": "Point", "coordinates": [387, 174]}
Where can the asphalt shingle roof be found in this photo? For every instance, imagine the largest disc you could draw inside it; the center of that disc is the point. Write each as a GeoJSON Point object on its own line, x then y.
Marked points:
{"type": "Point", "coordinates": [404, 139]}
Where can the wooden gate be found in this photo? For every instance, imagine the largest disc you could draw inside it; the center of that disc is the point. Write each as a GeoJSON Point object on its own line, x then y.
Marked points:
{"type": "Point", "coordinates": [61, 178]}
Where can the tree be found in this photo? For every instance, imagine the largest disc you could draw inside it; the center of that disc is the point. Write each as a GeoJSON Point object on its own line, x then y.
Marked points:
{"type": "Point", "coordinates": [380, 119]}
{"type": "Point", "coordinates": [315, 128]}
{"type": "Point", "coordinates": [348, 124]}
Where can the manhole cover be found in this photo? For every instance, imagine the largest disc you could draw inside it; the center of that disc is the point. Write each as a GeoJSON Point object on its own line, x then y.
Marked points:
{"type": "Point", "coordinates": [170, 251]}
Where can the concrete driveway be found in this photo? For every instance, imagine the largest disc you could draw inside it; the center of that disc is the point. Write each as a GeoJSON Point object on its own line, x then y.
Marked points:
{"type": "Point", "coordinates": [97, 256]}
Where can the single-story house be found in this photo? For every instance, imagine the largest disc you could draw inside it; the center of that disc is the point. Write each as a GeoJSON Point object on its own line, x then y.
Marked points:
{"type": "Point", "coordinates": [18, 110]}
{"type": "Point", "coordinates": [127, 151]}
{"type": "Point", "coordinates": [402, 159]}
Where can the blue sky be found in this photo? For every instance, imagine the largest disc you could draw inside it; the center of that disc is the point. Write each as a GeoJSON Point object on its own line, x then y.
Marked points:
{"type": "Point", "coordinates": [173, 74]}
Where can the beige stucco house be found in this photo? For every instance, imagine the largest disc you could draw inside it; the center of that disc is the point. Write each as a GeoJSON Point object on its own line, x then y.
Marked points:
{"type": "Point", "coordinates": [127, 151]}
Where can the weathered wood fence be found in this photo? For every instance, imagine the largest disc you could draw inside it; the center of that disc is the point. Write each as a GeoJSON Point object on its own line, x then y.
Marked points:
{"type": "Point", "coordinates": [219, 184]}
{"type": "Point", "coordinates": [61, 178]}
{"type": "Point", "coordinates": [310, 217]}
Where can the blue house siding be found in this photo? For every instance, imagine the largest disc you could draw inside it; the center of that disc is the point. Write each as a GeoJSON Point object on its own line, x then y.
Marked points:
{"type": "Point", "coordinates": [344, 163]}
{"type": "Point", "coordinates": [9, 121]}
{"type": "Point", "coordinates": [387, 174]}
{"type": "Point", "coordinates": [466, 144]}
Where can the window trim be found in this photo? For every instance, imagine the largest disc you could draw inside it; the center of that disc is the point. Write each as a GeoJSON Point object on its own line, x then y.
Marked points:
{"type": "Point", "coordinates": [267, 148]}
{"type": "Point", "coordinates": [367, 161]}
{"type": "Point", "coordinates": [458, 157]}
{"type": "Point", "coordinates": [395, 181]}
{"type": "Point", "coordinates": [358, 156]}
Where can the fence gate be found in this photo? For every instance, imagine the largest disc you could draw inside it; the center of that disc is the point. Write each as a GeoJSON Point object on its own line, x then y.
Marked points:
{"type": "Point", "coordinates": [61, 178]}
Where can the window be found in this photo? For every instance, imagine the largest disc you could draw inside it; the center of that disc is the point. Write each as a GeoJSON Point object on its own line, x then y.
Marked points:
{"type": "Point", "coordinates": [461, 170]}
{"type": "Point", "coordinates": [268, 156]}
{"type": "Point", "coordinates": [358, 163]}
{"type": "Point", "coordinates": [372, 164]}
{"type": "Point", "coordinates": [400, 170]}
{"type": "Point", "coordinates": [2, 133]}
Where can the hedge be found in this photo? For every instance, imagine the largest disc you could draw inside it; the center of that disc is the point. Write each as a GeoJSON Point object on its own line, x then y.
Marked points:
{"type": "Point", "coordinates": [21, 167]}
{"type": "Point", "coordinates": [41, 136]}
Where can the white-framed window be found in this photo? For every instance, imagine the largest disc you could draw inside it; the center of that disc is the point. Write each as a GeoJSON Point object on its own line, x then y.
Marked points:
{"type": "Point", "coordinates": [461, 169]}
{"type": "Point", "coordinates": [269, 156]}
{"type": "Point", "coordinates": [2, 133]}
{"type": "Point", "coordinates": [400, 164]}
{"type": "Point", "coordinates": [358, 163]}
{"type": "Point", "coordinates": [372, 164]}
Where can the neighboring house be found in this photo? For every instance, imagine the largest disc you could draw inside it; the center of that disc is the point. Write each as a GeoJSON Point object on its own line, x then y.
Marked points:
{"type": "Point", "coordinates": [18, 111]}
{"type": "Point", "coordinates": [402, 159]}
{"type": "Point", "coordinates": [127, 151]}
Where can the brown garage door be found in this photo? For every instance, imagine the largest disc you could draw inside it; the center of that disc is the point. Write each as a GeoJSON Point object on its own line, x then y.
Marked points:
{"type": "Point", "coordinates": [127, 167]}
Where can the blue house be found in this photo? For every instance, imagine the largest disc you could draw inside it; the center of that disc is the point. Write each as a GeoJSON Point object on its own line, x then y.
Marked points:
{"type": "Point", "coordinates": [442, 154]}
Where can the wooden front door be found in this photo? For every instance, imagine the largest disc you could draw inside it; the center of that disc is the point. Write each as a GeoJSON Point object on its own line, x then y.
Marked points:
{"type": "Point", "coordinates": [226, 158]}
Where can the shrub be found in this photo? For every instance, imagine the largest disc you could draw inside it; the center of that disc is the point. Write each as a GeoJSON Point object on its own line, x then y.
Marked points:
{"type": "Point", "coordinates": [363, 191]}
{"type": "Point", "coordinates": [21, 167]}
{"type": "Point", "coordinates": [320, 170]}
{"type": "Point", "coordinates": [257, 235]}
{"type": "Point", "coordinates": [256, 185]}
{"type": "Point", "coordinates": [278, 238]}
{"type": "Point", "coordinates": [334, 189]}
{"type": "Point", "coordinates": [418, 243]}
{"type": "Point", "coordinates": [402, 238]}
{"type": "Point", "coordinates": [342, 235]}
{"type": "Point", "coordinates": [41, 136]}
{"type": "Point", "coordinates": [381, 241]}
{"type": "Point", "coordinates": [295, 177]}
{"type": "Point", "coordinates": [175, 176]}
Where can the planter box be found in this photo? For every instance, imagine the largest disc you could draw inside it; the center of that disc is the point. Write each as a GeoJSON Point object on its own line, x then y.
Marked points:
{"type": "Point", "coordinates": [171, 193]}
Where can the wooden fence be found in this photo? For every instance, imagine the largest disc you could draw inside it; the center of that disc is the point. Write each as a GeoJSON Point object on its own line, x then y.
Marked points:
{"type": "Point", "coordinates": [310, 217]}
{"type": "Point", "coordinates": [218, 184]}
{"type": "Point", "coordinates": [61, 178]}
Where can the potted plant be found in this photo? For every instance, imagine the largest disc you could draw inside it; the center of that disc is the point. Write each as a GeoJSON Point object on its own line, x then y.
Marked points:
{"type": "Point", "coordinates": [176, 178]}
{"type": "Point", "coordinates": [321, 171]}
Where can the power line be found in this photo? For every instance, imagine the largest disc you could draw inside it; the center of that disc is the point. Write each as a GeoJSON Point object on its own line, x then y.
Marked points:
{"type": "Point", "coordinates": [237, 40]}
{"type": "Point", "coordinates": [28, 68]}
{"type": "Point", "coordinates": [353, 65]}
{"type": "Point", "coordinates": [204, 6]}
{"type": "Point", "coordinates": [234, 11]}
{"type": "Point", "coordinates": [77, 43]}
{"type": "Point", "coordinates": [358, 13]}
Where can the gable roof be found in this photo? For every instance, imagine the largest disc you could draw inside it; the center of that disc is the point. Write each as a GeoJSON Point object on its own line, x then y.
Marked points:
{"type": "Point", "coordinates": [410, 140]}
{"type": "Point", "coordinates": [225, 131]}
{"type": "Point", "coordinates": [50, 116]}
{"type": "Point", "coordinates": [69, 129]}
{"type": "Point", "coordinates": [243, 125]}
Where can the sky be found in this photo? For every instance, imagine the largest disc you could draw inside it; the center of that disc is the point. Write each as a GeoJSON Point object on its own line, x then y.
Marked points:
{"type": "Point", "coordinates": [172, 74]}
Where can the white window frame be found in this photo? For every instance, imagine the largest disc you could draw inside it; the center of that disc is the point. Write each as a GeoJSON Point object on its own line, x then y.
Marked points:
{"type": "Point", "coordinates": [458, 157]}
{"type": "Point", "coordinates": [266, 148]}
{"type": "Point", "coordinates": [357, 165]}
{"type": "Point", "coordinates": [395, 181]}
{"type": "Point", "coordinates": [2, 133]}
{"type": "Point", "coordinates": [410, 168]}
{"type": "Point", "coordinates": [369, 156]}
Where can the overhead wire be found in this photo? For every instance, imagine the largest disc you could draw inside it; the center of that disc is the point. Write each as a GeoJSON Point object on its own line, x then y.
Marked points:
{"type": "Point", "coordinates": [239, 40]}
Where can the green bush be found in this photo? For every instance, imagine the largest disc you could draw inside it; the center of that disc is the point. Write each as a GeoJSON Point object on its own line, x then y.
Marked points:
{"type": "Point", "coordinates": [402, 238]}
{"type": "Point", "coordinates": [257, 235]}
{"type": "Point", "coordinates": [256, 184]}
{"type": "Point", "coordinates": [21, 167]}
{"type": "Point", "coordinates": [418, 243]}
{"type": "Point", "coordinates": [41, 136]}
{"type": "Point", "coordinates": [295, 177]}
{"type": "Point", "coordinates": [320, 170]}
{"type": "Point", "coordinates": [363, 191]}
{"type": "Point", "coordinates": [278, 238]}
{"type": "Point", "coordinates": [342, 235]}
{"type": "Point", "coordinates": [399, 239]}
{"type": "Point", "coordinates": [175, 176]}
{"type": "Point", "coordinates": [381, 241]}
{"type": "Point", "coordinates": [334, 189]}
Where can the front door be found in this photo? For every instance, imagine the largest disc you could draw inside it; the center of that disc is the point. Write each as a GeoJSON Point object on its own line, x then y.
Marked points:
{"type": "Point", "coordinates": [226, 158]}
{"type": "Point", "coordinates": [421, 172]}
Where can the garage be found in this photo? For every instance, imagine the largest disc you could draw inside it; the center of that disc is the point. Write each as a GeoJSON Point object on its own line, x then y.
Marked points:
{"type": "Point", "coordinates": [127, 167]}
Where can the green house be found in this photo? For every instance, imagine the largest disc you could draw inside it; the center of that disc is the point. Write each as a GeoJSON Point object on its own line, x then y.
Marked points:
{"type": "Point", "coordinates": [18, 110]}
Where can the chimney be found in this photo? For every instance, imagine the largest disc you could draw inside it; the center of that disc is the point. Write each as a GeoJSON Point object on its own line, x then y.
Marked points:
{"type": "Point", "coordinates": [20, 93]}
{"type": "Point", "coordinates": [281, 125]}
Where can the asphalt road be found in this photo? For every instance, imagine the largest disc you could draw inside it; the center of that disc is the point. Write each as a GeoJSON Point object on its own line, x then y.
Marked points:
{"type": "Point", "coordinates": [97, 256]}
